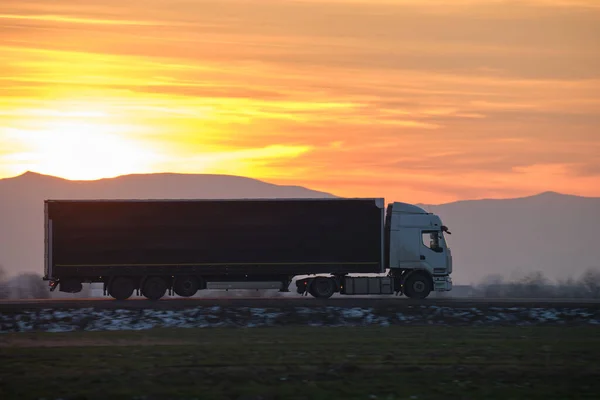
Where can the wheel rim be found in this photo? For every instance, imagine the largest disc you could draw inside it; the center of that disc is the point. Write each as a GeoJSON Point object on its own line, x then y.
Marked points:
{"type": "Point", "coordinates": [323, 287]}
{"type": "Point", "coordinates": [186, 286]}
{"type": "Point", "coordinates": [419, 286]}
{"type": "Point", "coordinates": [154, 288]}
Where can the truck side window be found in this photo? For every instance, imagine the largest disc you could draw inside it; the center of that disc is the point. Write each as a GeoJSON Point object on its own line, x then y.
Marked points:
{"type": "Point", "coordinates": [431, 240]}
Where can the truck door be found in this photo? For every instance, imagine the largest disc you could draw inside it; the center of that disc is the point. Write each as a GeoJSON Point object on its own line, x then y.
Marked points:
{"type": "Point", "coordinates": [433, 250]}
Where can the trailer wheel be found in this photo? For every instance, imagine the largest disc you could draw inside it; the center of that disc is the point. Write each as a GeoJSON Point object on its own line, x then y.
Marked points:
{"type": "Point", "coordinates": [322, 288]}
{"type": "Point", "coordinates": [417, 286]}
{"type": "Point", "coordinates": [154, 288]}
{"type": "Point", "coordinates": [186, 286]}
{"type": "Point", "coordinates": [121, 288]}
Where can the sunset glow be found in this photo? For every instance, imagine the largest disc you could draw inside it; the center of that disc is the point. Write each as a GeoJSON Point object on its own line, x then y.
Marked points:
{"type": "Point", "coordinates": [419, 101]}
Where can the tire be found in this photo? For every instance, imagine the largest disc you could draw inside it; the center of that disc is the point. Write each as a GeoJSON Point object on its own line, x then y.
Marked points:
{"type": "Point", "coordinates": [154, 288]}
{"type": "Point", "coordinates": [186, 286]}
{"type": "Point", "coordinates": [322, 288]}
{"type": "Point", "coordinates": [417, 286]}
{"type": "Point", "coordinates": [121, 288]}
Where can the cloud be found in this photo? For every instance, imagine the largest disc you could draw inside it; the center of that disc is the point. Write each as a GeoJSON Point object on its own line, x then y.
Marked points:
{"type": "Point", "coordinates": [59, 19]}
{"type": "Point", "coordinates": [413, 99]}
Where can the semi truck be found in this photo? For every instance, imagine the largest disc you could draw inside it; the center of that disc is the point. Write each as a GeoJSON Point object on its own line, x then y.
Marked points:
{"type": "Point", "coordinates": [157, 248]}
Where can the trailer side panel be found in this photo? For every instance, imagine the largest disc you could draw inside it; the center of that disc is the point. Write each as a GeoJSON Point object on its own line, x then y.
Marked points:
{"type": "Point", "coordinates": [215, 237]}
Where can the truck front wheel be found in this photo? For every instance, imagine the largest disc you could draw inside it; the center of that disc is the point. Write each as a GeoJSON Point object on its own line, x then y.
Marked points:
{"type": "Point", "coordinates": [154, 288]}
{"type": "Point", "coordinates": [417, 286]}
{"type": "Point", "coordinates": [121, 288]}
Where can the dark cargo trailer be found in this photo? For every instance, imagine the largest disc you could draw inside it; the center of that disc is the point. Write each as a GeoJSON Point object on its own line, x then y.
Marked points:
{"type": "Point", "coordinates": [250, 240]}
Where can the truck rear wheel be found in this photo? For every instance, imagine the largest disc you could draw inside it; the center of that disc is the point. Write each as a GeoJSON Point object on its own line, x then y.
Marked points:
{"type": "Point", "coordinates": [121, 288]}
{"type": "Point", "coordinates": [322, 288]}
{"type": "Point", "coordinates": [154, 288]}
{"type": "Point", "coordinates": [186, 286]}
{"type": "Point", "coordinates": [417, 286]}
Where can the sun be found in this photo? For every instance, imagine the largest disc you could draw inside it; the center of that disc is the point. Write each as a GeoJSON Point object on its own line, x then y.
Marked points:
{"type": "Point", "coordinates": [79, 149]}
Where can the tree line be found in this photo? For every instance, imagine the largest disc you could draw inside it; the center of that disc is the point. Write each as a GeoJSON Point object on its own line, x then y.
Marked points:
{"type": "Point", "coordinates": [23, 286]}
{"type": "Point", "coordinates": [536, 285]}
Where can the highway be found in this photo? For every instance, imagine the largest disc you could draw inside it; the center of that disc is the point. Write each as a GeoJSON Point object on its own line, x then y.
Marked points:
{"type": "Point", "coordinates": [176, 303]}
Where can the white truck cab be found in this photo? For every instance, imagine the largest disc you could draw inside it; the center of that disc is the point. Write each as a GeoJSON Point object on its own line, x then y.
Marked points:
{"type": "Point", "coordinates": [417, 247]}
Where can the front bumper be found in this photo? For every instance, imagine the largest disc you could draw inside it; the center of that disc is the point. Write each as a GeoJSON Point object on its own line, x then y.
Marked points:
{"type": "Point", "coordinates": [442, 283]}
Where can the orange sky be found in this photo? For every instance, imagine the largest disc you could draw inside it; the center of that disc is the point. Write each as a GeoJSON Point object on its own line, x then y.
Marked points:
{"type": "Point", "coordinates": [415, 100]}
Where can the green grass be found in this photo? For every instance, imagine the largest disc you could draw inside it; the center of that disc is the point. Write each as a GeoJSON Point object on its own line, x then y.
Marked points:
{"type": "Point", "coordinates": [304, 363]}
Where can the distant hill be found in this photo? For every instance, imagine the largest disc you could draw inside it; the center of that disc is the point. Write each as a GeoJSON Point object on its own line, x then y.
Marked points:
{"type": "Point", "coordinates": [551, 232]}
{"type": "Point", "coordinates": [22, 207]}
{"type": "Point", "coordinates": [554, 233]}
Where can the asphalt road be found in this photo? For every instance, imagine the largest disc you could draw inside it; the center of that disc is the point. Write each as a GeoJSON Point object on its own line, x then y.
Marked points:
{"type": "Point", "coordinates": [285, 302]}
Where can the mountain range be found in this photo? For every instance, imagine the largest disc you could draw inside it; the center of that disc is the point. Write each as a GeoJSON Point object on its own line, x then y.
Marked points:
{"type": "Point", "coordinates": [550, 232]}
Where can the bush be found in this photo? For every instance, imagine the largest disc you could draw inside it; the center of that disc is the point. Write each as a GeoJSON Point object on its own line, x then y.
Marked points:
{"type": "Point", "coordinates": [591, 283]}
{"type": "Point", "coordinates": [3, 283]}
{"type": "Point", "coordinates": [536, 285]}
{"type": "Point", "coordinates": [29, 286]}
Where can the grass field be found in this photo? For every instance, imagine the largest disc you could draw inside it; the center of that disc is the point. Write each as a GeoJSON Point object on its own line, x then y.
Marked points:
{"type": "Point", "coordinates": [304, 363]}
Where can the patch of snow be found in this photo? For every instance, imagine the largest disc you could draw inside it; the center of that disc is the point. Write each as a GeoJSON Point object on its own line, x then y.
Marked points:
{"type": "Point", "coordinates": [353, 313]}
{"type": "Point", "coordinates": [90, 319]}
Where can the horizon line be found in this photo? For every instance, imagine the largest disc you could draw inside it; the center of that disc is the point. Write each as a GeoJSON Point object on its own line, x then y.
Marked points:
{"type": "Point", "coordinates": [29, 172]}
